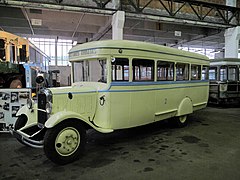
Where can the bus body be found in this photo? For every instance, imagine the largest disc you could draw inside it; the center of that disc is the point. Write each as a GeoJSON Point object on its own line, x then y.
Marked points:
{"type": "Point", "coordinates": [116, 85]}
{"type": "Point", "coordinates": [224, 77]}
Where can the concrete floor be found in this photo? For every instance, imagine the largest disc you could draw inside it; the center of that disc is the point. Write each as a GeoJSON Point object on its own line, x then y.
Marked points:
{"type": "Point", "coordinates": [208, 148]}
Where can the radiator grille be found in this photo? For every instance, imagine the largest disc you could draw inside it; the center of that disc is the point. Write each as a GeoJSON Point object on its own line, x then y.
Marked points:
{"type": "Point", "coordinates": [42, 116]}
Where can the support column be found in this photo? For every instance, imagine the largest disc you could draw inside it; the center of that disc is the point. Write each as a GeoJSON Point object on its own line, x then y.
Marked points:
{"type": "Point", "coordinates": [118, 20]}
{"type": "Point", "coordinates": [56, 58]}
{"type": "Point", "coordinates": [232, 37]}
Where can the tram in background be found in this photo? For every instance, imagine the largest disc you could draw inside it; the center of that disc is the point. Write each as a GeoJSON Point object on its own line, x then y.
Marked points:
{"type": "Point", "coordinates": [224, 76]}
{"type": "Point", "coordinates": [20, 62]}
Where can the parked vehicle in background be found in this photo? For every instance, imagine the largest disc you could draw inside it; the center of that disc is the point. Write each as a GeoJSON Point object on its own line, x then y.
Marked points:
{"type": "Point", "coordinates": [116, 85]}
{"type": "Point", "coordinates": [224, 79]}
{"type": "Point", "coordinates": [20, 62]}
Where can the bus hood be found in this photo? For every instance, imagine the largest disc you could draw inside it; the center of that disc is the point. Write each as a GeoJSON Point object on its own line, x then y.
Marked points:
{"type": "Point", "coordinates": [80, 87]}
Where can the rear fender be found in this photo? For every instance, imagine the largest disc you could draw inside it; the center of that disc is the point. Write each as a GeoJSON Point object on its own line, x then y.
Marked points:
{"type": "Point", "coordinates": [185, 107]}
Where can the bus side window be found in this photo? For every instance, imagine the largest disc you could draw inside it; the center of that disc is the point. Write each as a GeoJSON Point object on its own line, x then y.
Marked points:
{"type": "Point", "coordinates": [223, 73]}
{"type": "Point", "coordinates": [205, 74]}
{"type": "Point", "coordinates": [182, 71]}
{"type": "Point", "coordinates": [143, 70]}
{"type": "Point", "coordinates": [165, 71]}
{"type": "Point", "coordinates": [120, 69]}
{"type": "Point", "coordinates": [213, 73]}
{"type": "Point", "coordinates": [195, 72]}
{"type": "Point", "coordinates": [232, 73]}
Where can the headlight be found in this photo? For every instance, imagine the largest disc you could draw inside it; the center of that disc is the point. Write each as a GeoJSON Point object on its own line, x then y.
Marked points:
{"type": "Point", "coordinates": [223, 87]}
{"type": "Point", "coordinates": [49, 107]}
{"type": "Point", "coordinates": [29, 103]}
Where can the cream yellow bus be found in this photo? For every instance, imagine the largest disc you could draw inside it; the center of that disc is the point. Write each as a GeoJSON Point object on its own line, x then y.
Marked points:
{"type": "Point", "coordinates": [116, 85]}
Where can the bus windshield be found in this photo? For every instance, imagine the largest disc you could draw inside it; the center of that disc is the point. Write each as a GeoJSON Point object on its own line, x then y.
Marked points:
{"type": "Point", "coordinates": [90, 71]}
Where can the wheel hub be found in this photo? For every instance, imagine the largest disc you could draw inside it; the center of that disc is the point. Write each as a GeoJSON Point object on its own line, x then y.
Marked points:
{"type": "Point", "coordinates": [67, 141]}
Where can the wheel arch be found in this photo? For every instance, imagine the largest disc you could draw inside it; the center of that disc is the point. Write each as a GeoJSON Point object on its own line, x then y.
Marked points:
{"type": "Point", "coordinates": [29, 113]}
{"type": "Point", "coordinates": [185, 107]}
{"type": "Point", "coordinates": [65, 116]}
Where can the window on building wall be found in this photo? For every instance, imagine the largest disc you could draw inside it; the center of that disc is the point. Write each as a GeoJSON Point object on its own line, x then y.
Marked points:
{"type": "Point", "coordinates": [48, 47]}
{"type": "Point", "coordinates": [63, 46]}
{"type": "Point", "coordinates": [165, 71]}
{"type": "Point", "coordinates": [195, 72]}
{"type": "Point", "coordinates": [143, 70]}
{"type": "Point", "coordinates": [182, 71]}
{"type": "Point", "coordinates": [120, 69]}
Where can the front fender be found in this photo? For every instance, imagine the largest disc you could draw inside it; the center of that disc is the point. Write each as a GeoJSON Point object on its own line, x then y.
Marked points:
{"type": "Point", "coordinates": [61, 116]}
{"type": "Point", "coordinates": [30, 113]}
{"type": "Point", "coordinates": [64, 115]}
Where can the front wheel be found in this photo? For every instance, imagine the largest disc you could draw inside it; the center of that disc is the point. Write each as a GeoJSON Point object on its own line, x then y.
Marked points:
{"type": "Point", "coordinates": [65, 142]}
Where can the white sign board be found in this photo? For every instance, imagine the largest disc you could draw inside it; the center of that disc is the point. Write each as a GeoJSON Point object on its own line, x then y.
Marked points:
{"type": "Point", "coordinates": [11, 100]}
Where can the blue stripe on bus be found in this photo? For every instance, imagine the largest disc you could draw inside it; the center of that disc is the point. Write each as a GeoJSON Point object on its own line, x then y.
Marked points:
{"type": "Point", "coordinates": [152, 89]}
{"type": "Point", "coordinates": [142, 84]}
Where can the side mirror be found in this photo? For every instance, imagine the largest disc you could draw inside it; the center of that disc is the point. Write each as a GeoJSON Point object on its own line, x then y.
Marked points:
{"type": "Point", "coordinates": [39, 79]}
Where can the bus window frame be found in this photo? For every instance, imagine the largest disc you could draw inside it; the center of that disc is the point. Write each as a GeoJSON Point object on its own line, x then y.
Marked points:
{"type": "Point", "coordinates": [153, 71]}
{"type": "Point", "coordinates": [226, 73]}
{"type": "Point", "coordinates": [207, 72]}
{"type": "Point", "coordinates": [174, 70]}
{"type": "Point", "coordinates": [235, 74]}
{"type": "Point", "coordinates": [216, 73]}
{"type": "Point", "coordinates": [199, 72]}
{"type": "Point", "coordinates": [129, 65]}
{"type": "Point", "coordinates": [188, 72]}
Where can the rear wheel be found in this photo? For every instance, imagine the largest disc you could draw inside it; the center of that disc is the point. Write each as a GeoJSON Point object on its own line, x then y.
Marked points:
{"type": "Point", "coordinates": [179, 121]}
{"type": "Point", "coordinates": [65, 142]}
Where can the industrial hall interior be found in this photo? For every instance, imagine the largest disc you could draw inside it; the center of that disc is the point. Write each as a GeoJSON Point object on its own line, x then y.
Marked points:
{"type": "Point", "coordinates": [119, 89]}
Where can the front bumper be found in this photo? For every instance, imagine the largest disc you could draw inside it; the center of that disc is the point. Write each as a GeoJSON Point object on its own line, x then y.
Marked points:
{"type": "Point", "coordinates": [30, 140]}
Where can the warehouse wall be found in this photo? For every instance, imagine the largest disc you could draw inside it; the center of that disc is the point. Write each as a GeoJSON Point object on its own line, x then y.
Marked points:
{"type": "Point", "coordinates": [65, 72]}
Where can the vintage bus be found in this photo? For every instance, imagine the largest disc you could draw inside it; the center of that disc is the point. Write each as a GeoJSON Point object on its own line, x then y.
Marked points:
{"type": "Point", "coordinates": [224, 77]}
{"type": "Point", "coordinates": [117, 84]}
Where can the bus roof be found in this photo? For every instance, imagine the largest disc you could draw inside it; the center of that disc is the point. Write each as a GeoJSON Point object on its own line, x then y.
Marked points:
{"type": "Point", "coordinates": [225, 61]}
{"type": "Point", "coordinates": [135, 45]}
